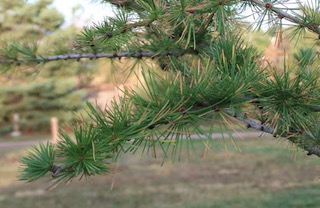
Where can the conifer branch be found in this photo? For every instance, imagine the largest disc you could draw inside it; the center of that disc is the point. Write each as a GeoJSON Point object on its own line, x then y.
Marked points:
{"type": "Point", "coordinates": [251, 123]}
{"type": "Point", "coordinates": [216, 77]}
{"type": "Point", "coordinates": [77, 56]}
{"type": "Point", "coordinates": [312, 26]}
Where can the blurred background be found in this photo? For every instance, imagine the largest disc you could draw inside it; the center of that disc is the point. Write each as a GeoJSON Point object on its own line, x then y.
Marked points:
{"type": "Point", "coordinates": [255, 172]}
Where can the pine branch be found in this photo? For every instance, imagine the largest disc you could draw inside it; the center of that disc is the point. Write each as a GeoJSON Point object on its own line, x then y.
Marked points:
{"type": "Point", "coordinates": [162, 111]}
{"type": "Point", "coordinates": [203, 6]}
{"type": "Point", "coordinates": [312, 26]}
{"type": "Point", "coordinates": [251, 123]}
{"type": "Point", "coordinates": [77, 56]}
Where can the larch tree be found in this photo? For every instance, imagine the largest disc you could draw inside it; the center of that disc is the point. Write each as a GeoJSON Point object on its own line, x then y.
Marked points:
{"type": "Point", "coordinates": [208, 73]}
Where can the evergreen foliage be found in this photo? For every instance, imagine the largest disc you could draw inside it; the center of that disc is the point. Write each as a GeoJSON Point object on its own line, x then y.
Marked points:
{"type": "Point", "coordinates": [54, 91]}
{"type": "Point", "coordinates": [210, 74]}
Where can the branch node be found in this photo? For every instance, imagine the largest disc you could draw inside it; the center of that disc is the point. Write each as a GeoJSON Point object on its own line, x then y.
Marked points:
{"type": "Point", "coordinates": [139, 54]}
{"type": "Point", "coordinates": [216, 109]}
{"type": "Point", "coordinates": [280, 16]}
{"type": "Point", "coordinates": [151, 127]}
{"type": "Point", "coordinates": [183, 111]}
{"type": "Point", "coordinates": [109, 34]}
{"type": "Point", "coordinates": [268, 5]}
{"type": "Point", "coordinates": [55, 170]}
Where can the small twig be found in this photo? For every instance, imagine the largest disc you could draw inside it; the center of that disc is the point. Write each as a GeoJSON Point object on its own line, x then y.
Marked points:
{"type": "Point", "coordinates": [313, 27]}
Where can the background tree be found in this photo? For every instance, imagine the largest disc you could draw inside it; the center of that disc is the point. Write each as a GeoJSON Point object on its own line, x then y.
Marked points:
{"type": "Point", "coordinates": [210, 74]}
{"type": "Point", "coordinates": [55, 90]}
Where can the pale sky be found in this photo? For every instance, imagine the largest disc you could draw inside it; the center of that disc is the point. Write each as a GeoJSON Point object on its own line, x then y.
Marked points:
{"type": "Point", "coordinates": [90, 11]}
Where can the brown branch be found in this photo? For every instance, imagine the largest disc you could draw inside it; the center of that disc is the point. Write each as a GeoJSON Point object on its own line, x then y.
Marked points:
{"type": "Point", "coordinates": [76, 56]}
{"type": "Point", "coordinates": [312, 150]}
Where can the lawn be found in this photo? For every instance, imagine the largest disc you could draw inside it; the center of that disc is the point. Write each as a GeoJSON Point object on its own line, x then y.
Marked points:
{"type": "Point", "coordinates": [266, 173]}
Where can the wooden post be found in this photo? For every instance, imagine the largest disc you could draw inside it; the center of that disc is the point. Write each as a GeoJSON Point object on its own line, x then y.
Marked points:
{"type": "Point", "coordinates": [16, 132]}
{"type": "Point", "coordinates": [54, 130]}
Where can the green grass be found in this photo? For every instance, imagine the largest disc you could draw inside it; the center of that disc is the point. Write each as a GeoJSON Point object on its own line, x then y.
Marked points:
{"type": "Point", "coordinates": [266, 173]}
{"type": "Point", "coordinates": [299, 197]}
